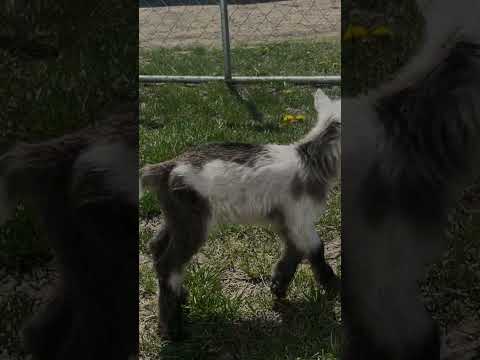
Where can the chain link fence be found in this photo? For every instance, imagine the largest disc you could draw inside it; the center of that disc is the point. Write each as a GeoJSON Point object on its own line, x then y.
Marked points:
{"type": "Point", "coordinates": [170, 28]}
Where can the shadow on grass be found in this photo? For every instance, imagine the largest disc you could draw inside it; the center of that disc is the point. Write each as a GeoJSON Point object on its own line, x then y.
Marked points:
{"type": "Point", "coordinates": [297, 330]}
{"type": "Point", "coordinates": [249, 104]}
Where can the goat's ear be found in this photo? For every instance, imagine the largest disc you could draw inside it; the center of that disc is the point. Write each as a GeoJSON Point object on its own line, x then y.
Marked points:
{"type": "Point", "coordinates": [321, 100]}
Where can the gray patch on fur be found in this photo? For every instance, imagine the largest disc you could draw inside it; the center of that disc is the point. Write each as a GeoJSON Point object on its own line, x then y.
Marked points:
{"type": "Point", "coordinates": [240, 153]}
{"type": "Point", "coordinates": [188, 198]}
{"type": "Point", "coordinates": [187, 214]}
{"type": "Point", "coordinates": [297, 187]}
{"type": "Point", "coordinates": [319, 158]}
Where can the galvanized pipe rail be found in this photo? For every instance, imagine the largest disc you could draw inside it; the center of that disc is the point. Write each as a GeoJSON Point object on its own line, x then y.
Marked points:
{"type": "Point", "coordinates": [298, 80]}
{"type": "Point", "coordinates": [227, 57]}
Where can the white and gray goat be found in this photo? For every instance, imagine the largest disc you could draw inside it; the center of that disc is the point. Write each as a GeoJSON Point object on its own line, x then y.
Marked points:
{"type": "Point", "coordinates": [282, 185]}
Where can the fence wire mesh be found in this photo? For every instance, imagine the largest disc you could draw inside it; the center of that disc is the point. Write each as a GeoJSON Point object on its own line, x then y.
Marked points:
{"type": "Point", "coordinates": [289, 28]}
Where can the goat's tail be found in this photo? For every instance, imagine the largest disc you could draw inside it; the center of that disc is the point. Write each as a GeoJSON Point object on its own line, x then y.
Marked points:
{"type": "Point", "coordinates": [154, 177]}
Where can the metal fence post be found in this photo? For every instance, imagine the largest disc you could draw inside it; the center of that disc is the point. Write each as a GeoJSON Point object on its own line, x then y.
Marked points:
{"type": "Point", "coordinates": [227, 61]}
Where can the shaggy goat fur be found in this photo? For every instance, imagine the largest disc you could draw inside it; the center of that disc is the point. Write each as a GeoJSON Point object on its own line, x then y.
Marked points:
{"type": "Point", "coordinates": [282, 185]}
{"type": "Point", "coordinates": [409, 150]}
{"type": "Point", "coordinates": [83, 189]}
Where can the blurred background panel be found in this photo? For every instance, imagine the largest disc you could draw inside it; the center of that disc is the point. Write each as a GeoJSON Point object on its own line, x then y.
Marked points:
{"type": "Point", "coordinates": [378, 38]}
{"type": "Point", "coordinates": [63, 65]}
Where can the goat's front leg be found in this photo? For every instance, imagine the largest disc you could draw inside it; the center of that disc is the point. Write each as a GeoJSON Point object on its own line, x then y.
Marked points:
{"type": "Point", "coordinates": [285, 269]}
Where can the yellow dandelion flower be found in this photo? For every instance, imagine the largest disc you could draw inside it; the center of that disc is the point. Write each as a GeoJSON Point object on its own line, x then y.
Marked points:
{"type": "Point", "coordinates": [289, 119]}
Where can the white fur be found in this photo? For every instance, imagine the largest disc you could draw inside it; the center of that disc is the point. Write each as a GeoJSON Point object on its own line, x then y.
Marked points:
{"type": "Point", "coordinates": [175, 282]}
{"type": "Point", "coordinates": [327, 111]}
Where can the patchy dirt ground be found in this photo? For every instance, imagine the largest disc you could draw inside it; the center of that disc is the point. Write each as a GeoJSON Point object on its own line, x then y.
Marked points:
{"type": "Point", "coordinates": [249, 24]}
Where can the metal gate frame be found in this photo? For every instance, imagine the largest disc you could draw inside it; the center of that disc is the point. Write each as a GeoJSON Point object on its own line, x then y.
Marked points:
{"type": "Point", "coordinates": [332, 80]}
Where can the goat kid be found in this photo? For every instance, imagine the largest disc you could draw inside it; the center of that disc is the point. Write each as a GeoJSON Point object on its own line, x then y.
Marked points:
{"type": "Point", "coordinates": [282, 185]}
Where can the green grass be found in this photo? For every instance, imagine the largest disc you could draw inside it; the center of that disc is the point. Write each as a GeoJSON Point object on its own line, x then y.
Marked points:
{"type": "Point", "coordinates": [175, 117]}
{"type": "Point", "coordinates": [285, 58]}
{"type": "Point", "coordinates": [231, 314]}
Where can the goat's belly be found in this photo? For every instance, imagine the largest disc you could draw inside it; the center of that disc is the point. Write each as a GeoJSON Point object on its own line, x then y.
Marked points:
{"type": "Point", "coordinates": [244, 206]}
{"type": "Point", "coordinates": [238, 210]}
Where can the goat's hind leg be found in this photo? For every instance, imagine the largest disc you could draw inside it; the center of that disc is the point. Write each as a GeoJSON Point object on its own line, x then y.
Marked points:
{"type": "Point", "coordinates": [182, 236]}
{"type": "Point", "coordinates": [323, 272]}
{"type": "Point", "coordinates": [285, 269]}
{"type": "Point", "coordinates": [171, 294]}
{"type": "Point", "coordinates": [301, 241]}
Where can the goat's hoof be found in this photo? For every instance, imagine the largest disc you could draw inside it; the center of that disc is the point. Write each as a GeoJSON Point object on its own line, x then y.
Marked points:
{"type": "Point", "coordinates": [176, 334]}
{"type": "Point", "coordinates": [332, 287]}
{"type": "Point", "coordinates": [173, 330]}
{"type": "Point", "coordinates": [281, 305]}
